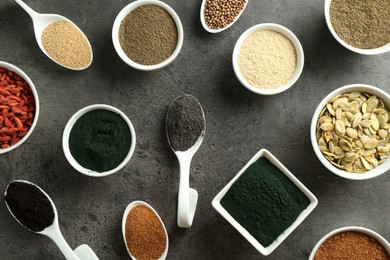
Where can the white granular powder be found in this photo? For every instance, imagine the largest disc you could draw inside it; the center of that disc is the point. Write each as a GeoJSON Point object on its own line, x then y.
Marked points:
{"type": "Point", "coordinates": [67, 45]}
{"type": "Point", "coordinates": [267, 59]}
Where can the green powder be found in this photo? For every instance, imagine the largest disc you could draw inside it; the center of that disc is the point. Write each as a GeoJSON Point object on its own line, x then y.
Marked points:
{"type": "Point", "coordinates": [264, 201]}
{"type": "Point", "coordinates": [100, 140]}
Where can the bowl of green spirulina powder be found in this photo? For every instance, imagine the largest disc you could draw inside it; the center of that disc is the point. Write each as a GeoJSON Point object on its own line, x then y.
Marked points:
{"type": "Point", "coordinates": [265, 202]}
{"type": "Point", "coordinates": [98, 140]}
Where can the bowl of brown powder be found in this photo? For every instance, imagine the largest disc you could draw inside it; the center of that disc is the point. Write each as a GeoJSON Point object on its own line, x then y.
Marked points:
{"type": "Point", "coordinates": [268, 59]}
{"type": "Point", "coordinates": [360, 26]}
{"type": "Point", "coordinates": [356, 243]}
{"type": "Point", "coordinates": [147, 34]}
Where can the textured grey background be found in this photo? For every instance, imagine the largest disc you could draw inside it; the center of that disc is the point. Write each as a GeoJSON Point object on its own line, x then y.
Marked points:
{"type": "Point", "coordinates": [239, 123]}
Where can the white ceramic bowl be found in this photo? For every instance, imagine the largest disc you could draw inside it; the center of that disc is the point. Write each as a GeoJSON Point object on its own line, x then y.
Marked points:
{"type": "Point", "coordinates": [69, 126]}
{"type": "Point", "coordinates": [269, 249]}
{"type": "Point", "coordinates": [365, 231]}
{"type": "Point", "coordinates": [280, 29]}
{"type": "Point", "coordinates": [383, 167]}
{"type": "Point", "coordinates": [115, 34]}
{"type": "Point", "coordinates": [124, 218]}
{"type": "Point", "coordinates": [375, 51]}
{"type": "Point", "coordinates": [207, 28]}
{"type": "Point", "coordinates": [18, 71]}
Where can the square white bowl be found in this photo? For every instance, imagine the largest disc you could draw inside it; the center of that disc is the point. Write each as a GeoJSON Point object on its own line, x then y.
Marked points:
{"type": "Point", "coordinates": [269, 249]}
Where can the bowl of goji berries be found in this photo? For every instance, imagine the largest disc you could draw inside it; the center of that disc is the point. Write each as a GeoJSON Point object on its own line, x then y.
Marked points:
{"type": "Point", "coordinates": [19, 107]}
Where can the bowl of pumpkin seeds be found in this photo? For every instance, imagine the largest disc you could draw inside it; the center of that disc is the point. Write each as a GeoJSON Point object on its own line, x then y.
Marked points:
{"type": "Point", "coordinates": [350, 131]}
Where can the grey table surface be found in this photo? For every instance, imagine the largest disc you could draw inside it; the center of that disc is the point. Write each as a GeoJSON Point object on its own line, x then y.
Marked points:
{"type": "Point", "coordinates": [239, 123]}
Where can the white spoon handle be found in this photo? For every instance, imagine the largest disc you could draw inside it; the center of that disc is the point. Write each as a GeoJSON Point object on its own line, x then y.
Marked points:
{"type": "Point", "coordinates": [188, 197]}
{"type": "Point", "coordinates": [84, 252]}
{"type": "Point", "coordinates": [28, 9]}
{"type": "Point", "coordinates": [65, 248]}
{"type": "Point", "coordinates": [55, 234]}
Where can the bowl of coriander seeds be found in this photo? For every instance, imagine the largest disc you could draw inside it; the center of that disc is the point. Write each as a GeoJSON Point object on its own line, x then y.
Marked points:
{"type": "Point", "coordinates": [350, 131]}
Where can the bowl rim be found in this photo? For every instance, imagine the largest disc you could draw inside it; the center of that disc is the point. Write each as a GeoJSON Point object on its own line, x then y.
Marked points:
{"type": "Point", "coordinates": [68, 127]}
{"type": "Point", "coordinates": [382, 168]}
{"type": "Point", "coordinates": [115, 34]}
{"type": "Point", "coordinates": [381, 240]}
{"type": "Point", "coordinates": [287, 33]}
{"type": "Point", "coordinates": [380, 50]}
{"type": "Point", "coordinates": [304, 214]}
{"type": "Point", "coordinates": [21, 73]}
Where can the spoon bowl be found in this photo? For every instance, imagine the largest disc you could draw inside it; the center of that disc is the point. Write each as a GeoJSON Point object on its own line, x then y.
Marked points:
{"type": "Point", "coordinates": [210, 30]}
{"type": "Point", "coordinates": [188, 197]}
{"type": "Point", "coordinates": [41, 21]}
{"type": "Point", "coordinates": [127, 211]}
{"type": "Point", "coordinates": [53, 231]}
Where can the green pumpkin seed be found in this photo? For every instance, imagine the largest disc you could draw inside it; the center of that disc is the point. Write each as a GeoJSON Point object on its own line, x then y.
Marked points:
{"type": "Point", "coordinates": [327, 126]}
{"type": "Point", "coordinates": [372, 143]}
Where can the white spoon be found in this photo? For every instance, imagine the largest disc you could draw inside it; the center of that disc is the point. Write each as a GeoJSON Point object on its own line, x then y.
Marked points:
{"type": "Point", "coordinates": [53, 231]}
{"type": "Point", "coordinates": [207, 28]}
{"type": "Point", "coordinates": [188, 197]}
{"type": "Point", "coordinates": [127, 211]}
{"type": "Point", "coordinates": [41, 21]}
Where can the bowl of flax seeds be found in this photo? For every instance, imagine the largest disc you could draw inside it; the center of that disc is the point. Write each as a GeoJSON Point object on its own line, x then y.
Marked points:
{"type": "Point", "coordinates": [147, 35]}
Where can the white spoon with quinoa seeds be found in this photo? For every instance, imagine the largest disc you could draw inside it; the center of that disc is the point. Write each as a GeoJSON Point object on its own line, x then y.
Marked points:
{"type": "Point", "coordinates": [75, 52]}
{"type": "Point", "coordinates": [214, 19]}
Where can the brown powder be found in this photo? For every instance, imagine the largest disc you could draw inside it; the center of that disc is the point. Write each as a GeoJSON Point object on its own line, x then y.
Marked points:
{"type": "Point", "coordinates": [351, 245]}
{"type": "Point", "coordinates": [267, 59]}
{"type": "Point", "coordinates": [64, 43]}
{"type": "Point", "coordinates": [145, 235]}
{"type": "Point", "coordinates": [148, 35]}
{"type": "Point", "coordinates": [361, 23]}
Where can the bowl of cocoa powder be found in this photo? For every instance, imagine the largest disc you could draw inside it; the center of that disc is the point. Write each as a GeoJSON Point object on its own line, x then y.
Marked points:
{"type": "Point", "coordinates": [360, 26]}
{"type": "Point", "coordinates": [19, 107]}
{"type": "Point", "coordinates": [352, 242]}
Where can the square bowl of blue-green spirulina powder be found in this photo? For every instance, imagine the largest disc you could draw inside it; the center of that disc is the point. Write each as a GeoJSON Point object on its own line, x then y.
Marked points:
{"type": "Point", "coordinates": [265, 202]}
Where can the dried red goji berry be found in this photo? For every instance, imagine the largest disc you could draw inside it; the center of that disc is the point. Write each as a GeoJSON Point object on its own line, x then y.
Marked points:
{"type": "Point", "coordinates": [4, 138]}
{"type": "Point", "coordinates": [17, 108]}
{"type": "Point", "coordinates": [15, 140]}
{"type": "Point", "coordinates": [18, 123]}
{"type": "Point", "coordinates": [7, 122]}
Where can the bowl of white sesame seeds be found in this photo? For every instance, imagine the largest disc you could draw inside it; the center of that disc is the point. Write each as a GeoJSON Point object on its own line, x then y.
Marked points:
{"type": "Point", "coordinates": [268, 59]}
